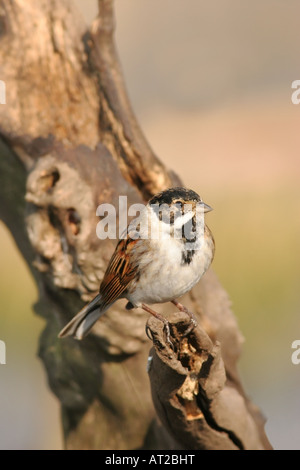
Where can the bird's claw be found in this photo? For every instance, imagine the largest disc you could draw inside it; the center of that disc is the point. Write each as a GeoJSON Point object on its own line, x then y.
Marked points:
{"type": "Point", "coordinates": [192, 325]}
{"type": "Point", "coordinates": [168, 335]}
{"type": "Point", "coordinates": [149, 333]}
{"type": "Point", "coordinates": [166, 330]}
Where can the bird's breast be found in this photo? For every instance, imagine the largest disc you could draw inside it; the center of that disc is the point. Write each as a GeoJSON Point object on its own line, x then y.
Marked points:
{"type": "Point", "coordinates": [169, 270]}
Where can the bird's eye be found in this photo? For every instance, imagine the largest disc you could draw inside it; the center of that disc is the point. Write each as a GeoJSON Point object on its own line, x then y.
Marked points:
{"type": "Point", "coordinates": [178, 203]}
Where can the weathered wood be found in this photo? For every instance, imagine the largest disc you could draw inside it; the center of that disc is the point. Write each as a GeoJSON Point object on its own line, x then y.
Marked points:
{"type": "Point", "coordinates": [194, 396]}
{"type": "Point", "coordinates": [68, 142]}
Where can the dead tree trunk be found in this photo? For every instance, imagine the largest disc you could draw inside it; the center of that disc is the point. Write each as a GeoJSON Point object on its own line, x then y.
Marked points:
{"type": "Point", "coordinates": [68, 142]}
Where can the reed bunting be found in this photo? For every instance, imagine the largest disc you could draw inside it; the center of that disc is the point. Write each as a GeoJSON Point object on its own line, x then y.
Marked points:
{"type": "Point", "coordinates": [164, 253]}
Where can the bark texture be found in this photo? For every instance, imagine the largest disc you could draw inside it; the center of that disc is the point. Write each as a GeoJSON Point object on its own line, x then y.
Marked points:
{"type": "Point", "coordinates": [69, 141]}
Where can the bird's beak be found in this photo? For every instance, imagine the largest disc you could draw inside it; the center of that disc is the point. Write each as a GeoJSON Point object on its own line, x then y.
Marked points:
{"type": "Point", "coordinates": [206, 207]}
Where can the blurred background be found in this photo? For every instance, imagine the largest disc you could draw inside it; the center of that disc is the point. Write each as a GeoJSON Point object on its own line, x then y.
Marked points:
{"type": "Point", "coordinates": [210, 83]}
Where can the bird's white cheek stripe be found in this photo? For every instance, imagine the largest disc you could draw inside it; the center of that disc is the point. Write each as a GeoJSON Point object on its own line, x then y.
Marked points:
{"type": "Point", "coordinates": [183, 219]}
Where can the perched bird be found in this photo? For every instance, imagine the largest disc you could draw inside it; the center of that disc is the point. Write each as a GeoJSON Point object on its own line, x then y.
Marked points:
{"type": "Point", "coordinates": [164, 253]}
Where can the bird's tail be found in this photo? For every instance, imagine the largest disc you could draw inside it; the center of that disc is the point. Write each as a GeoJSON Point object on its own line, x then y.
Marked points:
{"type": "Point", "coordinates": [81, 324]}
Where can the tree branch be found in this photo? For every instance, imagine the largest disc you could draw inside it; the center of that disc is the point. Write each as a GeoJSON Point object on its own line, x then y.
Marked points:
{"type": "Point", "coordinates": [120, 131]}
{"type": "Point", "coordinates": [193, 396]}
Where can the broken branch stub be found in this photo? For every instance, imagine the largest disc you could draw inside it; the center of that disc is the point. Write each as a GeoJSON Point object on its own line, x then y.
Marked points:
{"type": "Point", "coordinates": [192, 395]}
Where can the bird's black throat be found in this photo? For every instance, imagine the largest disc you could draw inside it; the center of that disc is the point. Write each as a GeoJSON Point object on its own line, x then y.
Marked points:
{"type": "Point", "coordinates": [189, 235]}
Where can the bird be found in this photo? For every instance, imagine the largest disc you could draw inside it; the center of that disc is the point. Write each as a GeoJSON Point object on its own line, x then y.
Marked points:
{"type": "Point", "coordinates": [165, 251]}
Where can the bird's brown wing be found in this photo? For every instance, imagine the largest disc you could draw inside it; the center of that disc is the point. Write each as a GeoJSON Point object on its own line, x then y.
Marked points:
{"type": "Point", "coordinates": [120, 271]}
